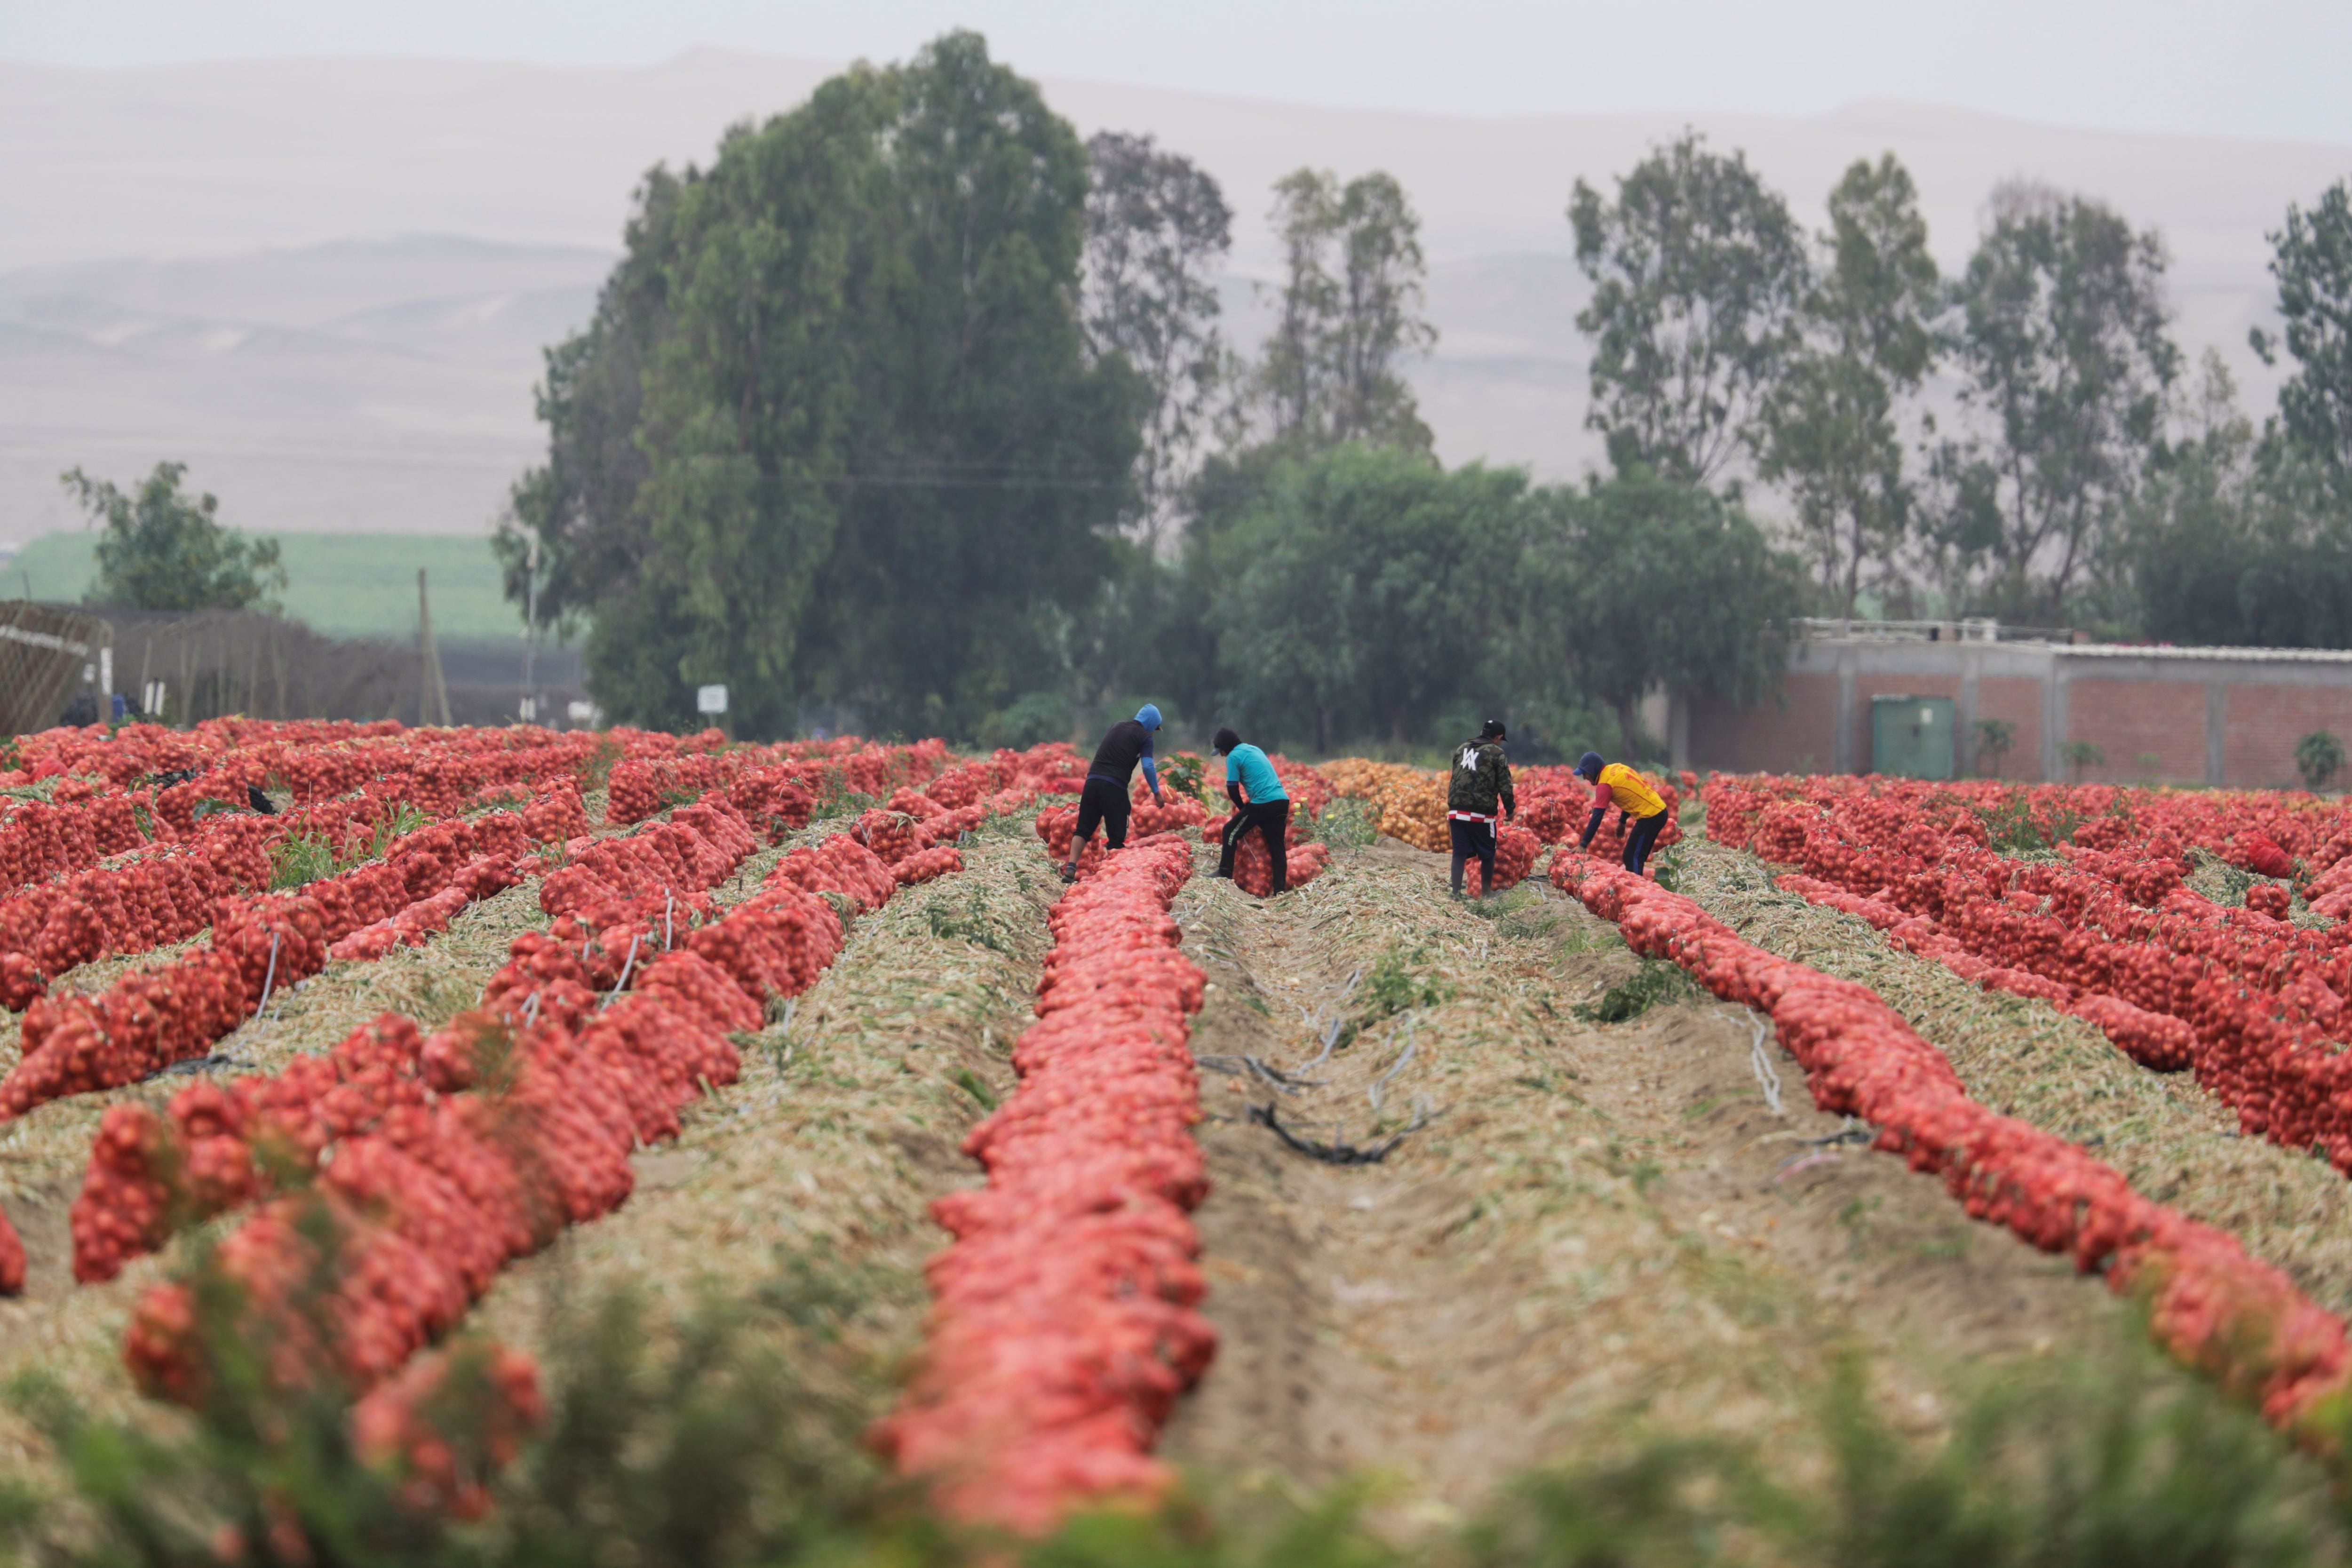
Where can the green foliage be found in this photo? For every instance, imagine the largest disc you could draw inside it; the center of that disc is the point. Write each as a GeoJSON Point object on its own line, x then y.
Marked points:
{"type": "Point", "coordinates": [1641, 581]}
{"type": "Point", "coordinates": [1391, 987]}
{"type": "Point", "coordinates": [1827, 425]}
{"type": "Point", "coordinates": [869, 440]}
{"type": "Point", "coordinates": [298, 862]}
{"type": "Point", "coordinates": [2066, 364]}
{"type": "Point", "coordinates": [2236, 540]}
{"type": "Point", "coordinates": [2318, 757]}
{"type": "Point", "coordinates": [1349, 824]}
{"type": "Point", "coordinates": [163, 551]}
{"type": "Point", "coordinates": [1994, 738]}
{"type": "Point", "coordinates": [2083, 755]}
{"type": "Point", "coordinates": [1331, 371]}
{"type": "Point", "coordinates": [2312, 259]}
{"type": "Point", "coordinates": [1657, 983]}
{"type": "Point", "coordinates": [1360, 592]}
{"type": "Point", "coordinates": [1157, 231]}
{"type": "Point", "coordinates": [967, 922]}
{"type": "Point", "coordinates": [2014, 827]}
{"type": "Point", "coordinates": [1030, 720]}
{"type": "Point", "coordinates": [1186, 773]}
{"type": "Point", "coordinates": [1697, 270]}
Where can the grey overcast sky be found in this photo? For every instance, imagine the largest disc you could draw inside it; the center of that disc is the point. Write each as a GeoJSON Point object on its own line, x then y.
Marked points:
{"type": "Point", "coordinates": [2250, 68]}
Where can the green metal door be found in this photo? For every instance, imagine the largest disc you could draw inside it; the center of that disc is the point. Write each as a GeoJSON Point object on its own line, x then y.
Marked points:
{"type": "Point", "coordinates": [1911, 737]}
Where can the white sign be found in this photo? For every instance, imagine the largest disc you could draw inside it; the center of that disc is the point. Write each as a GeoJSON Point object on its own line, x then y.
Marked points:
{"type": "Point", "coordinates": [710, 699]}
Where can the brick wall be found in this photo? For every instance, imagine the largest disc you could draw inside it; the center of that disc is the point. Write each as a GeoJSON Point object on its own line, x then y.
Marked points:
{"type": "Point", "coordinates": [2020, 704]}
{"type": "Point", "coordinates": [1797, 734]}
{"type": "Point", "coordinates": [2128, 718]}
{"type": "Point", "coordinates": [2265, 722]}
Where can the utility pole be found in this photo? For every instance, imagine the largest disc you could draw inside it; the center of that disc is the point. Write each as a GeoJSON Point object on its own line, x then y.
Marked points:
{"type": "Point", "coordinates": [531, 634]}
{"type": "Point", "coordinates": [435, 690]}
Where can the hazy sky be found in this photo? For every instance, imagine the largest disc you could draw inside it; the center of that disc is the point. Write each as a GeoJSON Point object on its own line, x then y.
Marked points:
{"type": "Point", "coordinates": [2256, 68]}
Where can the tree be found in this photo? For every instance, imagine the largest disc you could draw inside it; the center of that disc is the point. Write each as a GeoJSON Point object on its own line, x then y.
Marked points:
{"type": "Point", "coordinates": [2237, 542]}
{"type": "Point", "coordinates": [2318, 757]}
{"type": "Point", "coordinates": [1332, 369]}
{"type": "Point", "coordinates": [162, 551]}
{"type": "Point", "coordinates": [2312, 259]}
{"type": "Point", "coordinates": [1642, 581]}
{"type": "Point", "coordinates": [2066, 361]}
{"type": "Point", "coordinates": [1363, 591]}
{"type": "Point", "coordinates": [1697, 271]}
{"type": "Point", "coordinates": [1156, 227]}
{"type": "Point", "coordinates": [872, 446]}
{"type": "Point", "coordinates": [1827, 426]}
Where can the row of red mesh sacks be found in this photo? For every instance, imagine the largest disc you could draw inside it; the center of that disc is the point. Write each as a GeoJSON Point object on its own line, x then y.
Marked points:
{"type": "Point", "coordinates": [2252, 1002]}
{"type": "Point", "coordinates": [1065, 1325]}
{"type": "Point", "coordinates": [640, 788]}
{"type": "Point", "coordinates": [438, 1160]}
{"type": "Point", "coordinates": [445, 765]}
{"type": "Point", "coordinates": [2271, 833]}
{"type": "Point", "coordinates": [39, 840]}
{"type": "Point", "coordinates": [167, 895]}
{"type": "Point", "coordinates": [637, 923]}
{"type": "Point", "coordinates": [2210, 1305]}
{"type": "Point", "coordinates": [151, 1018]}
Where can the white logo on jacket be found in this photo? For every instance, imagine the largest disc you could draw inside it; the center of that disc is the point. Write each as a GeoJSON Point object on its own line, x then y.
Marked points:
{"type": "Point", "coordinates": [1469, 759]}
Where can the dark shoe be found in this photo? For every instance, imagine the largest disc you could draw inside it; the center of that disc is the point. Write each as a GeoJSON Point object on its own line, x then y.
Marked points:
{"type": "Point", "coordinates": [1070, 870]}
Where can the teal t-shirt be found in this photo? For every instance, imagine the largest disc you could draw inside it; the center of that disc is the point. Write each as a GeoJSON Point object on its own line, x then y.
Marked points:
{"type": "Point", "coordinates": [1247, 766]}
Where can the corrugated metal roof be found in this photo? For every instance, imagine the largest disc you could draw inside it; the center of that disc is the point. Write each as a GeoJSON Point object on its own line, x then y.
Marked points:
{"type": "Point", "coordinates": [2229, 654]}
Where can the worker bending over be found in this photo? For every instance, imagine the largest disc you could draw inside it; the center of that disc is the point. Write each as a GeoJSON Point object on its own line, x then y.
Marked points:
{"type": "Point", "coordinates": [1479, 781]}
{"type": "Point", "coordinates": [1615, 783]}
{"type": "Point", "coordinates": [1259, 802]}
{"type": "Point", "coordinates": [1104, 800]}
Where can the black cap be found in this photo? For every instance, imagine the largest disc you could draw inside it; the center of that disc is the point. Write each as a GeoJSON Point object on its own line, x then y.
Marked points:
{"type": "Point", "coordinates": [1491, 730]}
{"type": "Point", "coordinates": [1224, 743]}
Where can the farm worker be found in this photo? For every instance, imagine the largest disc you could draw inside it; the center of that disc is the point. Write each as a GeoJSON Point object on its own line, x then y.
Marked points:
{"type": "Point", "coordinates": [1104, 799]}
{"type": "Point", "coordinates": [1615, 783]}
{"type": "Point", "coordinates": [1259, 802]}
{"type": "Point", "coordinates": [1479, 781]}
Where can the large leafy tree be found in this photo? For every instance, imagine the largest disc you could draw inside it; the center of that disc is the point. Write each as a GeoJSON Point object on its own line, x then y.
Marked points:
{"type": "Point", "coordinates": [1642, 581]}
{"type": "Point", "coordinates": [1156, 229]}
{"type": "Point", "coordinates": [833, 436]}
{"type": "Point", "coordinates": [2067, 361]}
{"type": "Point", "coordinates": [2234, 542]}
{"type": "Point", "coordinates": [1364, 592]}
{"type": "Point", "coordinates": [2312, 259]}
{"type": "Point", "coordinates": [163, 550]}
{"type": "Point", "coordinates": [1697, 271]}
{"type": "Point", "coordinates": [1348, 315]}
{"type": "Point", "coordinates": [1828, 429]}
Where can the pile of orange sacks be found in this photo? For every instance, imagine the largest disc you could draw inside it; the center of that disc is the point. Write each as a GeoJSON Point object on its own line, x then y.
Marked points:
{"type": "Point", "coordinates": [455, 1152]}
{"type": "Point", "coordinates": [2210, 1305]}
{"type": "Point", "coordinates": [1064, 1326]}
{"type": "Point", "coordinates": [2251, 1002]}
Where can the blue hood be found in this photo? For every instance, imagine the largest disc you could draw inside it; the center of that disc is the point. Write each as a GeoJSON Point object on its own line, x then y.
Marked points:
{"type": "Point", "coordinates": [1148, 716]}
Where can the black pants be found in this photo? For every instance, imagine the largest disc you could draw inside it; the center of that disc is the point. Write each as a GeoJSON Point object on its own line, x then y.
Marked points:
{"type": "Point", "coordinates": [1474, 839]}
{"type": "Point", "coordinates": [1644, 833]}
{"type": "Point", "coordinates": [1272, 820]}
{"type": "Point", "coordinates": [1106, 803]}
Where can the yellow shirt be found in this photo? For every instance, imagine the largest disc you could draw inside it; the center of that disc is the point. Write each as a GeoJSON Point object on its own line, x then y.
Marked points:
{"type": "Point", "coordinates": [1629, 789]}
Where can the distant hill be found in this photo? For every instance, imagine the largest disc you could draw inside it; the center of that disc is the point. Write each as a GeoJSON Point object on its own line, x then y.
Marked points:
{"type": "Point", "coordinates": [325, 284]}
{"type": "Point", "coordinates": [342, 584]}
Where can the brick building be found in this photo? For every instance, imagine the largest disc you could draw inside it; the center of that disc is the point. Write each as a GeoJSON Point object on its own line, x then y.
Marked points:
{"type": "Point", "coordinates": [2220, 716]}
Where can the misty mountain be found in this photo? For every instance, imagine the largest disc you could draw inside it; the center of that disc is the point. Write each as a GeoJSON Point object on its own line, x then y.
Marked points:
{"type": "Point", "coordinates": [326, 283]}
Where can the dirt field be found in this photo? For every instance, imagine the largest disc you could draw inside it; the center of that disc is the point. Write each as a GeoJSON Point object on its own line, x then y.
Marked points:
{"type": "Point", "coordinates": [1602, 1229]}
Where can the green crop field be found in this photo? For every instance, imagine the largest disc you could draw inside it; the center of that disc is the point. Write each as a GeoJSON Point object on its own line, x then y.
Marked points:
{"type": "Point", "coordinates": [343, 585]}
